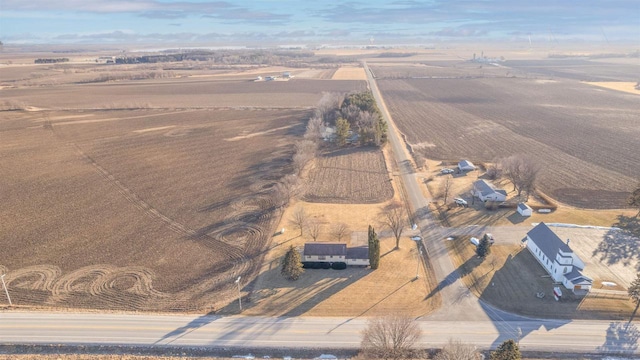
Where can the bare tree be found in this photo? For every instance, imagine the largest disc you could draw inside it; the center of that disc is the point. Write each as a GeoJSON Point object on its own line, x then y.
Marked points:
{"type": "Point", "coordinates": [390, 337]}
{"type": "Point", "coordinates": [446, 187]}
{"type": "Point", "coordinates": [634, 294]}
{"type": "Point", "coordinates": [328, 107]}
{"type": "Point", "coordinates": [393, 217]}
{"type": "Point", "coordinates": [494, 170]}
{"type": "Point", "coordinates": [299, 219]}
{"type": "Point", "coordinates": [634, 199]}
{"type": "Point", "coordinates": [314, 129]}
{"type": "Point", "coordinates": [521, 170]}
{"type": "Point", "coordinates": [285, 189]}
{"type": "Point", "coordinates": [339, 230]}
{"type": "Point", "coordinates": [457, 350]}
{"type": "Point", "coordinates": [314, 227]}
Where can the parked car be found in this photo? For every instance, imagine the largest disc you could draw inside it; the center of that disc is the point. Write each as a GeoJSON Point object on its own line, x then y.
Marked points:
{"type": "Point", "coordinates": [447, 171]}
{"type": "Point", "coordinates": [461, 202]}
{"type": "Point", "coordinates": [475, 241]}
{"type": "Point", "coordinates": [416, 238]}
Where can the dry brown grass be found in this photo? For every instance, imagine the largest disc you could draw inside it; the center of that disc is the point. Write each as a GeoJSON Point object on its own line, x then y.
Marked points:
{"type": "Point", "coordinates": [349, 73]}
{"type": "Point", "coordinates": [628, 87]}
{"type": "Point", "coordinates": [510, 277]}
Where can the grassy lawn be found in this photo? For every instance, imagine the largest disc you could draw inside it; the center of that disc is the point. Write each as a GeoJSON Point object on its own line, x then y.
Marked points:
{"type": "Point", "coordinates": [510, 277]}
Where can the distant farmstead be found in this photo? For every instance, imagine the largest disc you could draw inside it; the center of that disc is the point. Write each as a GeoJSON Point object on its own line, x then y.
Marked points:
{"type": "Point", "coordinates": [557, 258]}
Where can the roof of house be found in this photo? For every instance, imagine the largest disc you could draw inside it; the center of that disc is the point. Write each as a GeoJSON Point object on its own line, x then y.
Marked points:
{"type": "Point", "coordinates": [466, 163]}
{"type": "Point", "coordinates": [523, 206]}
{"type": "Point", "coordinates": [360, 252]}
{"type": "Point", "coordinates": [547, 241]}
{"type": "Point", "coordinates": [576, 277]}
{"type": "Point", "coordinates": [486, 188]}
{"type": "Point", "coordinates": [325, 249]}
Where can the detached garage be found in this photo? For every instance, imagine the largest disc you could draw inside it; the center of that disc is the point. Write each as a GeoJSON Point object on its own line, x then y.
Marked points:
{"type": "Point", "coordinates": [524, 209]}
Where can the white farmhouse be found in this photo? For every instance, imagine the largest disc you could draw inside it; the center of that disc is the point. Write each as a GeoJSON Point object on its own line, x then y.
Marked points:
{"type": "Point", "coordinates": [466, 165]}
{"type": "Point", "coordinates": [487, 192]}
{"type": "Point", "coordinates": [335, 252]}
{"type": "Point", "coordinates": [557, 258]}
{"type": "Point", "coordinates": [524, 209]}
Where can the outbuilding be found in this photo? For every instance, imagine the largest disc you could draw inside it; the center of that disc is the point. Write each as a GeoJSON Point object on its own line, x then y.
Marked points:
{"type": "Point", "coordinates": [466, 165]}
{"type": "Point", "coordinates": [524, 209]}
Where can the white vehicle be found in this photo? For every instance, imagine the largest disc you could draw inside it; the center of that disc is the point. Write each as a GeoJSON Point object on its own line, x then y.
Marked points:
{"type": "Point", "coordinates": [416, 238]}
{"type": "Point", "coordinates": [447, 171]}
{"type": "Point", "coordinates": [475, 241]}
{"type": "Point", "coordinates": [461, 202]}
{"type": "Point", "coordinates": [490, 236]}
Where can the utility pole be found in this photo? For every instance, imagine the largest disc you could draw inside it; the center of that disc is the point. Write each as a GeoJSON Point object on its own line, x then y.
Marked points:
{"type": "Point", "coordinates": [418, 265]}
{"type": "Point", "coordinates": [5, 289]}
{"type": "Point", "coordinates": [239, 295]}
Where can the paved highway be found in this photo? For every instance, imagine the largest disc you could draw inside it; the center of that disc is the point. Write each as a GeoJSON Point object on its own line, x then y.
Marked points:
{"type": "Point", "coordinates": [298, 332]}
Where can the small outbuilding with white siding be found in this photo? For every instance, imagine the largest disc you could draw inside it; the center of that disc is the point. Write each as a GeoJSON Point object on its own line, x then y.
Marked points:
{"type": "Point", "coordinates": [466, 165]}
{"type": "Point", "coordinates": [524, 209]}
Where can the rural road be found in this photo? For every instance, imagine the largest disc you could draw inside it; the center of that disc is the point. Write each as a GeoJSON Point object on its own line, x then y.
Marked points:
{"type": "Point", "coordinates": [458, 302]}
{"type": "Point", "coordinates": [296, 332]}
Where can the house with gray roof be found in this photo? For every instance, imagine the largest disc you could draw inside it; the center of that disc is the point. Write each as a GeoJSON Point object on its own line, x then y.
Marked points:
{"type": "Point", "coordinates": [335, 252]}
{"type": "Point", "coordinates": [557, 258]}
{"type": "Point", "coordinates": [484, 191]}
{"type": "Point", "coordinates": [466, 165]}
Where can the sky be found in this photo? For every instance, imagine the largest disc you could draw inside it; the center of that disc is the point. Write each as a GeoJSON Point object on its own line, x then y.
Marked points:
{"type": "Point", "coordinates": [291, 22]}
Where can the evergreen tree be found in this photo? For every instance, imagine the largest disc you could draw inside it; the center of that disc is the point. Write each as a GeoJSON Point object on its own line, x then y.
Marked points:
{"type": "Point", "coordinates": [483, 248]}
{"type": "Point", "coordinates": [342, 131]}
{"type": "Point", "coordinates": [292, 264]}
{"type": "Point", "coordinates": [374, 249]}
{"type": "Point", "coordinates": [508, 350]}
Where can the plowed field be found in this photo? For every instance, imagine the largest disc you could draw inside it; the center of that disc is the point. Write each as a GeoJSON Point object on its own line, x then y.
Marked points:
{"type": "Point", "coordinates": [586, 139]}
{"type": "Point", "coordinates": [143, 195]}
{"type": "Point", "coordinates": [348, 176]}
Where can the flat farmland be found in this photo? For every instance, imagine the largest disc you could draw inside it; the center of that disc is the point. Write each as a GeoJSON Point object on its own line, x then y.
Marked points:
{"type": "Point", "coordinates": [585, 138]}
{"type": "Point", "coordinates": [352, 175]}
{"type": "Point", "coordinates": [178, 93]}
{"type": "Point", "coordinates": [138, 210]}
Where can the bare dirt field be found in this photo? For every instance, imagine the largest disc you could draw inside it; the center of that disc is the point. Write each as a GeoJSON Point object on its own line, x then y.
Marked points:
{"type": "Point", "coordinates": [585, 138]}
{"type": "Point", "coordinates": [349, 73]}
{"type": "Point", "coordinates": [121, 205]}
{"type": "Point", "coordinates": [353, 175]}
{"type": "Point", "coordinates": [510, 277]}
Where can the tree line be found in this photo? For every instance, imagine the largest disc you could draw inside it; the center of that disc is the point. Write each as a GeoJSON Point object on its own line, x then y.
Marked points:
{"type": "Point", "coordinates": [50, 60]}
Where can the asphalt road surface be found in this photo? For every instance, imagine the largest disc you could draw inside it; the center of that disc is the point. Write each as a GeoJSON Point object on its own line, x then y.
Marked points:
{"type": "Point", "coordinates": [297, 332]}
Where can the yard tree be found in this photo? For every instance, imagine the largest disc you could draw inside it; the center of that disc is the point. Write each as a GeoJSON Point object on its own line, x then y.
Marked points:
{"type": "Point", "coordinates": [342, 131]}
{"type": "Point", "coordinates": [374, 249]}
{"type": "Point", "coordinates": [446, 187]}
{"type": "Point", "coordinates": [484, 247]}
{"type": "Point", "coordinates": [508, 350]}
{"type": "Point", "coordinates": [292, 264]}
{"type": "Point", "coordinates": [339, 230]}
{"type": "Point", "coordinates": [522, 171]}
{"type": "Point", "coordinates": [634, 293]}
{"type": "Point", "coordinates": [285, 189]}
{"type": "Point", "coordinates": [314, 228]}
{"type": "Point", "coordinates": [634, 199]}
{"type": "Point", "coordinates": [393, 217]}
{"type": "Point", "coordinates": [314, 129]}
{"type": "Point", "coordinates": [299, 219]}
{"type": "Point", "coordinates": [457, 350]}
{"type": "Point", "coordinates": [392, 336]}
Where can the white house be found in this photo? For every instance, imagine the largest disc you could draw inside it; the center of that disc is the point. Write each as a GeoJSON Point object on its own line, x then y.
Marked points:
{"type": "Point", "coordinates": [325, 252]}
{"type": "Point", "coordinates": [524, 209]}
{"type": "Point", "coordinates": [358, 256]}
{"type": "Point", "coordinates": [334, 252]}
{"type": "Point", "coordinates": [466, 165]}
{"type": "Point", "coordinates": [486, 191]}
{"type": "Point", "coordinates": [557, 258]}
